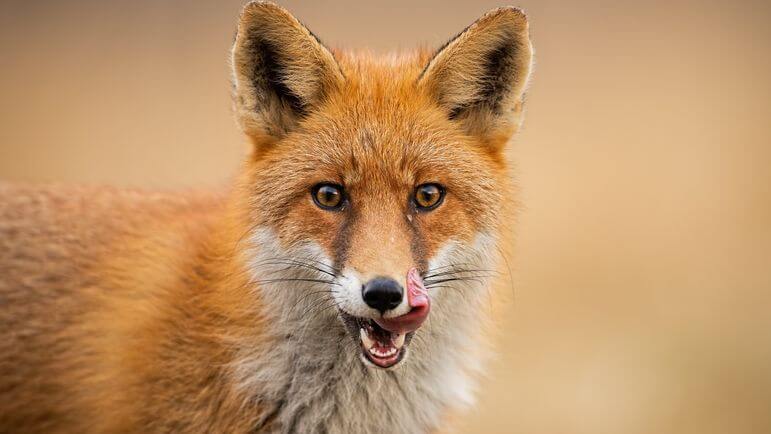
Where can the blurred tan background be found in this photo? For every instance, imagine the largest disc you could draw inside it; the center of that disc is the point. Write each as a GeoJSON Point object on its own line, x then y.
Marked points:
{"type": "Point", "coordinates": [643, 257]}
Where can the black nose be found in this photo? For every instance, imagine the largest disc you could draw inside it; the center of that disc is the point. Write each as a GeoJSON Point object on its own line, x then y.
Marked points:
{"type": "Point", "coordinates": [382, 293]}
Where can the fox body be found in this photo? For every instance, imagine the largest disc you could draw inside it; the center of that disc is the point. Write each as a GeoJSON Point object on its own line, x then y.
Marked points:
{"type": "Point", "coordinates": [282, 303]}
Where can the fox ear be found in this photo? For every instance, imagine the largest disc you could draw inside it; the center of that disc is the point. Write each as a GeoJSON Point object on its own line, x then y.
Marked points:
{"type": "Point", "coordinates": [479, 77]}
{"type": "Point", "coordinates": [281, 71]}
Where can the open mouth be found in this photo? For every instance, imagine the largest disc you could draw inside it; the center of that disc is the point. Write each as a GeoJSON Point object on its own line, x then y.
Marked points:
{"type": "Point", "coordinates": [383, 340]}
{"type": "Point", "coordinates": [379, 346]}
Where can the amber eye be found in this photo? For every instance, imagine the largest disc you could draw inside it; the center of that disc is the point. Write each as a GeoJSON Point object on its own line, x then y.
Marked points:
{"type": "Point", "coordinates": [327, 196]}
{"type": "Point", "coordinates": [428, 196]}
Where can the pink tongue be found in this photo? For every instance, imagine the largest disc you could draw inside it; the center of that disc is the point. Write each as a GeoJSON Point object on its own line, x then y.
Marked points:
{"type": "Point", "coordinates": [417, 297]}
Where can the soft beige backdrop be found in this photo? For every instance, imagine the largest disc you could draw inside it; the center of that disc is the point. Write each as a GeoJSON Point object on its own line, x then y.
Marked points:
{"type": "Point", "coordinates": [643, 259]}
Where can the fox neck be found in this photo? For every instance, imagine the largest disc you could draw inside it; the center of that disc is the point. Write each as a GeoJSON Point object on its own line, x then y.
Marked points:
{"type": "Point", "coordinates": [314, 381]}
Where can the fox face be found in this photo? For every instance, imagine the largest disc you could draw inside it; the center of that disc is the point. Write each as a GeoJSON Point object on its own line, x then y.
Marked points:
{"type": "Point", "coordinates": [378, 187]}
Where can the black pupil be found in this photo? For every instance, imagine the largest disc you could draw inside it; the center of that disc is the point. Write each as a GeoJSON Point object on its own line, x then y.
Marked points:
{"type": "Point", "coordinates": [428, 195]}
{"type": "Point", "coordinates": [328, 195]}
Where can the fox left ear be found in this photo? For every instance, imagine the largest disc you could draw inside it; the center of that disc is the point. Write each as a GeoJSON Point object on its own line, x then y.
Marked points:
{"type": "Point", "coordinates": [479, 77]}
{"type": "Point", "coordinates": [281, 71]}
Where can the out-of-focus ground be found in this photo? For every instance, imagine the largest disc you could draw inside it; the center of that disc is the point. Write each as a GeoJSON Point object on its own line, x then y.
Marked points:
{"type": "Point", "coordinates": [643, 257]}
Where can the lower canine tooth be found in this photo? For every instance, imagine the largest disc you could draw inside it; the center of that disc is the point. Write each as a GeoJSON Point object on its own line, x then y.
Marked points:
{"type": "Point", "coordinates": [399, 341]}
{"type": "Point", "coordinates": [368, 343]}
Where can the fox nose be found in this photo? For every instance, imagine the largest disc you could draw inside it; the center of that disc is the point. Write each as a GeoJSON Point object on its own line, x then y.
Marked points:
{"type": "Point", "coordinates": [382, 293]}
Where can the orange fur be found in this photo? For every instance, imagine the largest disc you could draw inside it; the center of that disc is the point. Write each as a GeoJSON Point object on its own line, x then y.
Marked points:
{"type": "Point", "coordinates": [125, 311]}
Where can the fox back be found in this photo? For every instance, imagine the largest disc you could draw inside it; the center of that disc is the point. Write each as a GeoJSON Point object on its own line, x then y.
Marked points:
{"type": "Point", "coordinates": [341, 284]}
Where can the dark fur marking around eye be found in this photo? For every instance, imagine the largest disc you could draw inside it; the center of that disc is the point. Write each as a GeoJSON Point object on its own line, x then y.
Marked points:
{"type": "Point", "coordinates": [268, 73]}
{"type": "Point", "coordinates": [342, 242]}
{"type": "Point", "coordinates": [417, 246]}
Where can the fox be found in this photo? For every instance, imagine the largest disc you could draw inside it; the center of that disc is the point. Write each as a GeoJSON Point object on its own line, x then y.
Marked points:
{"type": "Point", "coordinates": [340, 283]}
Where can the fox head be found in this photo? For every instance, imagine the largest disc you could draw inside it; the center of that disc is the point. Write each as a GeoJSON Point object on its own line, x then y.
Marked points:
{"type": "Point", "coordinates": [377, 187]}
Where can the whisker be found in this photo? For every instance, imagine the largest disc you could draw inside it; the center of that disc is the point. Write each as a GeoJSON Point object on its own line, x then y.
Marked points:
{"type": "Point", "coordinates": [445, 273]}
{"type": "Point", "coordinates": [508, 267]}
{"type": "Point", "coordinates": [296, 279]}
{"type": "Point", "coordinates": [336, 270]}
{"type": "Point", "coordinates": [294, 262]}
{"type": "Point", "coordinates": [316, 261]}
{"type": "Point", "coordinates": [316, 310]}
{"type": "Point", "coordinates": [447, 287]}
{"type": "Point", "coordinates": [326, 291]}
{"type": "Point", "coordinates": [249, 230]}
{"type": "Point", "coordinates": [322, 310]}
{"type": "Point", "coordinates": [428, 284]}
{"type": "Point", "coordinates": [313, 306]}
{"type": "Point", "coordinates": [457, 264]}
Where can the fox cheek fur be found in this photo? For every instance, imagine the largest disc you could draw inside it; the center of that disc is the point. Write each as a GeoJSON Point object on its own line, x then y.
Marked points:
{"type": "Point", "coordinates": [264, 309]}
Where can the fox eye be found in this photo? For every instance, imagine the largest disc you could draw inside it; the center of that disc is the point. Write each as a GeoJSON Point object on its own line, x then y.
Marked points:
{"type": "Point", "coordinates": [428, 196]}
{"type": "Point", "coordinates": [327, 196]}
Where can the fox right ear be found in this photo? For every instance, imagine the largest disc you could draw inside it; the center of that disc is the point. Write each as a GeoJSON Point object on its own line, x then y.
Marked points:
{"type": "Point", "coordinates": [479, 77]}
{"type": "Point", "coordinates": [281, 71]}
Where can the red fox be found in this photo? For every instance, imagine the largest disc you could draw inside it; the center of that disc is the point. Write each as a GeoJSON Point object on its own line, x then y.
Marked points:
{"type": "Point", "coordinates": [338, 286]}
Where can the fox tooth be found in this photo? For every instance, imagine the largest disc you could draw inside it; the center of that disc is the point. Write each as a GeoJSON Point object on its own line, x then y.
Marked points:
{"type": "Point", "coordinates": [399, 341]}
{"type": "Point", "coordinates": [368, 343]}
